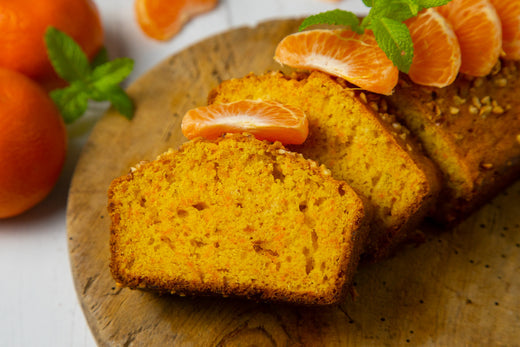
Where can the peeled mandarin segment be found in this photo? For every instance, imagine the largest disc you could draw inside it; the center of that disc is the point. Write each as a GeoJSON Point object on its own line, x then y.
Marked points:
{"type": "Point", "coordinates": [162, 19]}
{"type": "Point", "coordinates": [437, 56]}
{"type": "Point", "coordinates": [342, 53]}
{"type": "Point", "coordinates": [479, 31]}
{"type": "Point", "coordinates": [509, 13]}
{"type": "Point", "coordinates": [266, 120]}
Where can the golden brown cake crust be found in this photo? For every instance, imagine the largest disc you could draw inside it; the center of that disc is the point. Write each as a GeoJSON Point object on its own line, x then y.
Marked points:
{"type": "Point", "coordinates": [199, 236]}
{"type": "Point", "coordinates": [471, 129]}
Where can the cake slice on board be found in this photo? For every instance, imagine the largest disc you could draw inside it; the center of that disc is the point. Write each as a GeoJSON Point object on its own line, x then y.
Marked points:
{"type": "Point", "coordinates": [352, 135]}
{"type": "Point", "coordinates": [236, 217]}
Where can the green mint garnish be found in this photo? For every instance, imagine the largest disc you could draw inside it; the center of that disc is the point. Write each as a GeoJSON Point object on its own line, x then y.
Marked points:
{"type": "Point", "coordinates": [385, 19]}
{"type": "Point", "coordinates": [98, 81]}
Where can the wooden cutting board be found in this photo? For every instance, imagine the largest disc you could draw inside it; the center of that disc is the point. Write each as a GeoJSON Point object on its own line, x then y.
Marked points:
{"type": "Point", "coordinates": [460, 287]}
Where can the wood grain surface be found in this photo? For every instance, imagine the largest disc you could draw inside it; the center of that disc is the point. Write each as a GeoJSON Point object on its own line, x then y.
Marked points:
{"type": "Point", "coordinates": [459, 287]}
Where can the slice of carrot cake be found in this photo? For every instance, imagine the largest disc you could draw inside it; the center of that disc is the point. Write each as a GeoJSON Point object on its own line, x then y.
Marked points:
{"type": "Point", "coordinates": [236, 217]}
{"type": "Point", "coordinates": [352, 135]}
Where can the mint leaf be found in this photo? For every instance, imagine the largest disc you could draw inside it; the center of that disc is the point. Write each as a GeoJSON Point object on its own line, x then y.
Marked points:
{"type": "Point", "coordinates": [399, 10]}
{"type": "Point", "coordinates": [385, 19]}
{"type": "Point", "coordinates": [334, 17]}
{"type": "Point", "coordinates": [66, 56]}
{"type": "Point", "coordinates": [121, 102]}
{"type": "Point", "coordinates": [112, 72]}
{"type": "Point", "coordinates": [432, 3]}
{"type": "Point", "coordinates": [394, 39]}
{"type": "Point", "coordinates": [71, 101]}
{"type": "Point", "coordinates": [98, 81]}
{"type": "Point", "coordinates": [100, 58]}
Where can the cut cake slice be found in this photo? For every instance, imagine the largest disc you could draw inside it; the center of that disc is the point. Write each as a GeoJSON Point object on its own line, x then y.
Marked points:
{"type": "Point", "coordinates": [360, 145]}
{"type": "Point", "coordinates": [471, 129]}
{"type": "Point", "coordinates": [236, 217]}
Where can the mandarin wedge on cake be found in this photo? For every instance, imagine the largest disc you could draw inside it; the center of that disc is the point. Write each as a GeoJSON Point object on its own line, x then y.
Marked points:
{"type": "Point", "coordinates": [479, 31]}
{"type": "Point", "coordinates": [436, 61]}
{"type": "Point", "coordinates": [509, 13]}
{"type": "Point", "coordinates": [266, 120]}
{"type": "Point", "coordinates": [342, 53]}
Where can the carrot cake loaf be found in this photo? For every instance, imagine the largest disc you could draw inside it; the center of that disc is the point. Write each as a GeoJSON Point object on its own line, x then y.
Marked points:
{"type": "Point", "coordinates": [471, 129]}
{"type": "Point", "coordinates": [352, 135]}
{"type": "Point", "coordinates": [236, 217]}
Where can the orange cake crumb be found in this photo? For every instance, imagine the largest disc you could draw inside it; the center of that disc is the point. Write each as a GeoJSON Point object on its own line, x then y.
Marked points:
{"type": "Point", "coordinates": [236, 216]}
{"type": "Point", "coordinates": [350, 133]}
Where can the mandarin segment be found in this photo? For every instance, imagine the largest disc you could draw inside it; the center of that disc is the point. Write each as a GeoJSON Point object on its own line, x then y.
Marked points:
{"type": "Point", "coordinates": [437, 56]}
{"type": "Point", "coordinates": [266, 120]}
{"type": "Point", "coordinates": [342, 53]}
{"type": "Point", "coordinates": [509, 13]}
{"type": "Point", "coordinates": [162, 19]}
{"type": "Point", "coordinates": [479, 31]}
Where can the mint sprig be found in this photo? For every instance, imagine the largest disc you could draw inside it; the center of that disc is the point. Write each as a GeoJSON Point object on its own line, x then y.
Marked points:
{"type": "Point", "coordinates": [98, 81]}
{"type": "Point", "coordinates": [386, 20]}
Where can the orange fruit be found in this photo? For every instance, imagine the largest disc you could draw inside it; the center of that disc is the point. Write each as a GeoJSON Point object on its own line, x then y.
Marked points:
{"type": "Point", "coordinates": [33, 141]}
{"type": "Point", "coordinates": [23, 24]}
{"type": "Point", "coordinates": [436, 61]}
{"type": "Point", "coordinates": [342, 53]}
{"type": "Point", "coordinates": [479, 31]}
{"type": "Point", "coordinates": [162, 19]}
{"type": "Point", "coordinates": [266, 120]}
{"type": "Point", "coordinates": [509, 13]}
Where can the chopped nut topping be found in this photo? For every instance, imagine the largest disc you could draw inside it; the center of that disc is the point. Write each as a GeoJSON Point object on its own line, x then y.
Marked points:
{"type": "Point", "coordinates": [374, 106]}
{"type": "Point", "coordinates": [472, 109]}
{"type": "Point", "coordinates": [458, 100]}
{"type": "Point", "coordinates": [486, 100]}
{"type": "Point", "coordinates": [476, 102]}
{"type": "Point", "coordinates": [363, 97]}
{"type": "Point", "coordinates": [496, 69]}
{"type": "Point", "coordinates": [325, 171]}
{"type": "Point", "coordinates": [485, 110]}
{"type": "Point", "coordinates": [498, 109]}
{"type": "Point", "coordinates": [478, 82]}
{"type": "Point", "coordinates": [396, 126]}
{"type": "Point", "coordinates": [500, 82]}
{"type": "Point", "coordinates": [486, 166]}
{"type": "Point", "coordinates": [454, 110]}
{"type": "Point", "coordinates": [518, 138]}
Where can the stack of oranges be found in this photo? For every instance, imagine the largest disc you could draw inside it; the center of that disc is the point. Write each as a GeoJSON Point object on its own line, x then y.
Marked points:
{"type": "Point", "coordinates": [33, 137]}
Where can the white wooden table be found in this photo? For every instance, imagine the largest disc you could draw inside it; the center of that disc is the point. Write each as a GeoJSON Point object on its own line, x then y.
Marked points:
{"type": "Point", "coordinates": [38, 303]}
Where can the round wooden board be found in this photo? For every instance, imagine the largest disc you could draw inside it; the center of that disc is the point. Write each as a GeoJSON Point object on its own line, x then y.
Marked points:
{"type": "Point", "coordinates": [460, 287]}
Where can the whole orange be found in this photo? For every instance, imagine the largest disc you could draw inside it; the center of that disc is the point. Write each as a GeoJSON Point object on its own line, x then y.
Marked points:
{"type": "Point", "coordinates": [33, 142]}
{"type": "Point", "coordinates": [22, 27]}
